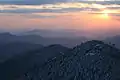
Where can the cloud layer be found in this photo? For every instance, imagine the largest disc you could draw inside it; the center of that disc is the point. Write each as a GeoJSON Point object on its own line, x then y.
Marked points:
{"type": "Point", "coordinates": [59, 7]}
{"type": "Point", "coordinates": [90, 18]}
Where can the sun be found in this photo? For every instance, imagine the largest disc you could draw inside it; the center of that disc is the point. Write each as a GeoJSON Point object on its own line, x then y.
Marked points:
{"type": "Point", "coordinates": [105, 14]}
{"type": "Point", "coordinates": [106, 11]}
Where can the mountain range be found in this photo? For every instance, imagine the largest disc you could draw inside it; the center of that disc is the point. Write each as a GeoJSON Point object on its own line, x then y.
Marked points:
{"type": "Point", "coordinates": [18, 65]}
{"type": "Point", "coordinates": [91, 60]}
{"type": "Point", "coordinates": [34, 57]}
{"type": "Point", "coordinates": [11, 44]}
{"type": "Point", "coordinates": [45, 38]}
{"type": "Point", "coordinates": [37, 39]}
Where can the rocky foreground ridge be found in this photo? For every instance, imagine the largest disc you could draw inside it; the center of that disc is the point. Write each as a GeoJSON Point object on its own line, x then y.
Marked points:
{"type": "Point", "coordinates": [92, 60]}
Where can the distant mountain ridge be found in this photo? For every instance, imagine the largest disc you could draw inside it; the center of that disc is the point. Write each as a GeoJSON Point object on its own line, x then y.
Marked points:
{"type": "Point", "coordinates": [115, 40]}
{"type": "Point", "coordinates": [37, 39]}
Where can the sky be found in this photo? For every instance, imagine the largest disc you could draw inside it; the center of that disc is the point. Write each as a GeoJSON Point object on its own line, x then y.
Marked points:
{"type": "Point", "coordinates": [96, 18]}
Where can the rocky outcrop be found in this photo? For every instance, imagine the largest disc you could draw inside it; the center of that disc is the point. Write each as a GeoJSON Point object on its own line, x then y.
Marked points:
{"type": "Point", "coordinates": [93, 60]}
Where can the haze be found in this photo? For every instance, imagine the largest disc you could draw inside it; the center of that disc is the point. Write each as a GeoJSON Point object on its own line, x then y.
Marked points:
{"type": "Point", "coordinates": [87, 18]}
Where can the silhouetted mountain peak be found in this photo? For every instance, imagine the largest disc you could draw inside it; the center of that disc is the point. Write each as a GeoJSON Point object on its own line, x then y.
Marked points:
{"type": "Point", "coordinates": [91, 60]}
{"type": "Point", "coordinates": [91, 43]}
{"type": "Point", "coordinates": [58, 46]}
{"type": "Point", "coordinates": [96, 46]}
{"type": "Point", "coordinates": [94, 42]}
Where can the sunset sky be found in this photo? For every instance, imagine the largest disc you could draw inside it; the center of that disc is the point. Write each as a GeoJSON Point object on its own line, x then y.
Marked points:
{"type": "Point", "coordinates": [91, 17]}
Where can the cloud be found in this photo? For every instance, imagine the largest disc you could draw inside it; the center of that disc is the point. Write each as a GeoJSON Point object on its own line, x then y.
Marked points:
{"type": "Point", "coordinates": [58, 7]}
{"type": "Point", "coordinates": [91, 24]}
{"type": "Point", "coordinates": [49, 14]}
{"type": "Point", "coordinates": [40, 2]}
{"type": "Point", "coordinates": [31, 2]}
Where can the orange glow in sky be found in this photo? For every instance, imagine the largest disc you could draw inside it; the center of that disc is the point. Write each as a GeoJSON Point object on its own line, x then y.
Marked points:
{"type": "Point", "coordinates": [80, 16]}
{"type": "Point", "coordinates": [72, 20]}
